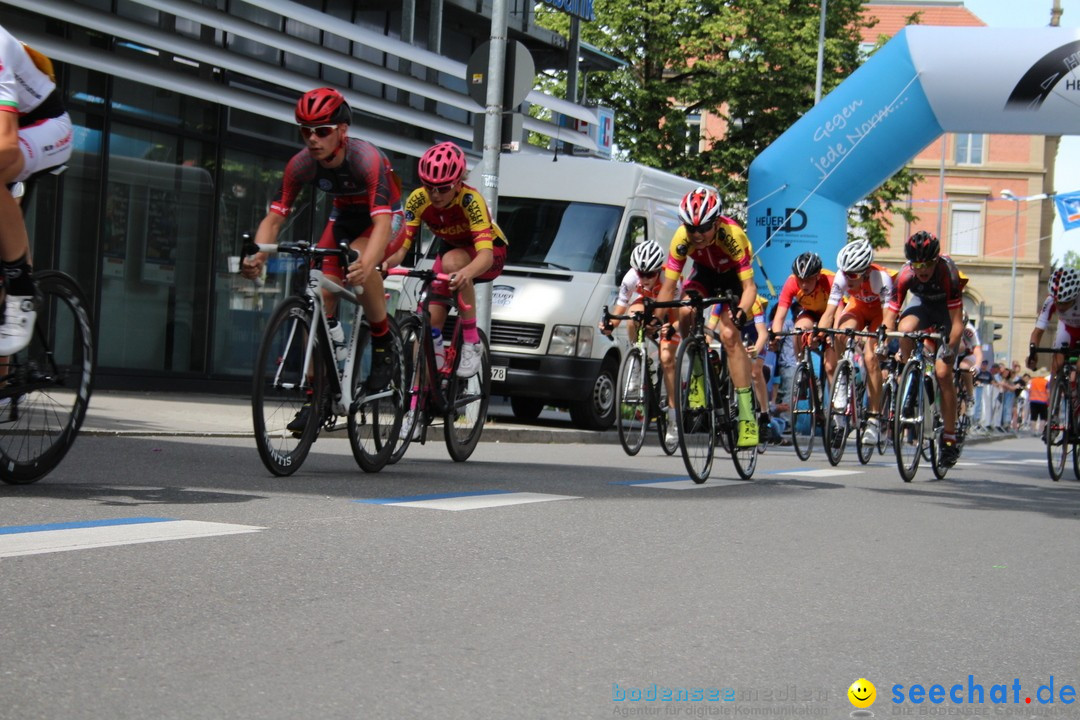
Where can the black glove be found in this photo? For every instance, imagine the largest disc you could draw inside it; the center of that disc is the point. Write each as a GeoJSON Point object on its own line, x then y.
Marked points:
{"type": "Point", "coordinates": [739, 317]}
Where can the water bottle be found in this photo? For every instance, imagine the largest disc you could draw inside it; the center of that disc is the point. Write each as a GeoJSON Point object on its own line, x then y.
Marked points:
{"type": "Point", "coordinates": [440, 351]}
{"type": "Point", "coordinates": [337, 337]}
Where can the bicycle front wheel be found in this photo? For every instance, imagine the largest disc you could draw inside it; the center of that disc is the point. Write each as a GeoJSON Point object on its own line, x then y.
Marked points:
{"type": "Point", "coordinates": [1057, 430]}
{"type": "Point", "coordinates": [839, 415]}
{"type": "Point", "coordinates": [695, 410]}
{"type": "Point", "coordinates": [885, 424]}
{"type": "Point", "coordinates": [633, 402]}
{"type": "Point", "coordinates": [744, 458]}
{"type": "Point", "coordinates": [374, 420]}
{"type": "Point", "coordinates": [414, 367]}
{"type": "Point", "coordinates": [467, 404]}
{"type": "Point", "coordinates": [669, 448]}
{"type": "Point", "coordinates": [286, 400]}
{"type": "Point", "coordinates": [803, 411]}
{"type": "Point", "coordinates": [908, 426]}
{"type": "Point", "coordinates": [47, 385]}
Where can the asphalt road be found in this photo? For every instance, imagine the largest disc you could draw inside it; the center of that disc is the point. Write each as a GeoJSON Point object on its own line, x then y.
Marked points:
{"type": "Point", "coordinates": [769, 597]}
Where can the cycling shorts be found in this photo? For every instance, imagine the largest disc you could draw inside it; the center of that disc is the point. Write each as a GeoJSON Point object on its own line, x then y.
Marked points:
{"type": "Point", "coordinates": [498, 260]}
{"type": "Point", "coordinates": [45, 144]}
{"type": "Point", "coordinates": [348, 226]}
{"type": "Point", "coordinates": [706, 282]}
{"type": "Point", "coordinates": [867, 317]}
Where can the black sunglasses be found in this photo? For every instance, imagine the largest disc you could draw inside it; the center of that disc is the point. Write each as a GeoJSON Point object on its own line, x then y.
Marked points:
{"type": "Point", "coordinates": [700, 229]}
{"type": "Point", "coordinates": [320, 131]}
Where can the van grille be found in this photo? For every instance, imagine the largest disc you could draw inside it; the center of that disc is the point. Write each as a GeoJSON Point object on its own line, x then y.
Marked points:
{"type": "Point", "coordinates": [512, 334]}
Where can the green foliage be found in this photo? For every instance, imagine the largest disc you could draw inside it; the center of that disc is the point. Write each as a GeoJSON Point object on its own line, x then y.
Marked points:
{"type": "Point", "coordinates": [1071, 260]}
{"type": "Point", "coordinates": [750, 63]}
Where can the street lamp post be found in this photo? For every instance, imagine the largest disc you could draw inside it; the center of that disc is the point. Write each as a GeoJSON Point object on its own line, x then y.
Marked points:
{"type": "Point", "coordinates": [1008, 195]}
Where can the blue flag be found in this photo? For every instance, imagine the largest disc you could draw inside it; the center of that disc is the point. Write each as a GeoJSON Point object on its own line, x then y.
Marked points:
{"type": "Point", "coordinates": [1068, 206]}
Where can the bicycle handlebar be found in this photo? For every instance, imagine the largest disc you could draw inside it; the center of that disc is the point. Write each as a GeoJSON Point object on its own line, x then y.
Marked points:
{"type": "Point", "coordinates": [428, 276]}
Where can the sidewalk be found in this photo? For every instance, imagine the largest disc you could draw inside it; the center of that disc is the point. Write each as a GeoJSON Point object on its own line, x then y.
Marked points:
{"type": "Point", "coordinates": [194, 415]}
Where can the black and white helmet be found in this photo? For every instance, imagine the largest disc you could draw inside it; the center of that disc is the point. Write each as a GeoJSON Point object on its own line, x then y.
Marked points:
{"type": "Point", "coordinates": [648, 257]}
{"type": "Point", "coordinates": [807, 264]}
{"type": "Point", "coordinates": [855, 257]}
{"type": "Point", "coordinates": [1064, 284]}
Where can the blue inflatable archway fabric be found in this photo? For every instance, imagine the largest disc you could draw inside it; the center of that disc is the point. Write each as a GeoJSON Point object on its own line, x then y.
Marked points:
{"type": "Point", "coordinates": [925, 81]}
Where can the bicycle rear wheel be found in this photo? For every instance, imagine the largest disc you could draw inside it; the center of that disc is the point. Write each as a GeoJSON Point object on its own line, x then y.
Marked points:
{"type": "Point", "coordinates": [633, 402]}
{"type": "Point", "coordinates": [695, 410]}
{"type": "Point", "coordinates": [839, 420]}
{"type": "Point", "coordinates": [803, 407]}
{"type": "Point", "coordinates": [1057, 431]}
{"type": "Point", "coordinates": [414, 367]}
{"type": "Point", "coordinates": [287, 406]}
{"type": "Point", "coordinates": [46, 386]}
{"type": "Point", "coordinates": [374, 419]}
{"type": "Point", "coordinates": [467, 404]}
{"type": "Point", "coordinates": [908, 426]}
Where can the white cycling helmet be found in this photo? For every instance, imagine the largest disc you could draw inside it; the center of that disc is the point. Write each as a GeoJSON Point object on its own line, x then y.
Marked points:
{"type": "Point", "coordinates": [855, 257]}
{"type": "Point", "coordinates": [1064, 284]}
{"type": "Point", "coordinates": [648, 257]}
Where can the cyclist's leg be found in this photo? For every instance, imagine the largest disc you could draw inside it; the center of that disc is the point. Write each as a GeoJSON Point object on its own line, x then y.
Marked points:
{"type": "Point", "coordinates": [739, 366]}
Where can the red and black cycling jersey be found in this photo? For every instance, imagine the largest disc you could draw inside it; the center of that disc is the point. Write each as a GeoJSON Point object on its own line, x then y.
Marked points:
{"type": "Point", "coordinates": [364, 180]}
{"type": "Point", "coordinates": [945, 286]}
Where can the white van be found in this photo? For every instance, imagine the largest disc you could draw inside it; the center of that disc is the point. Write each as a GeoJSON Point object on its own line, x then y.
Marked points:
{"type": "Point", "coordinates": [571, 224]}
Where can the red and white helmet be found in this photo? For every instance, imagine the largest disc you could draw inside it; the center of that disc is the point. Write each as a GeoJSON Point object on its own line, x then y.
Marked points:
{"type": "Point", "coordinates": [1064, 284]}
{"type": "Point", "coordinates": [701, 206]}
{"type": "Point", "coordinates": [441, 164]}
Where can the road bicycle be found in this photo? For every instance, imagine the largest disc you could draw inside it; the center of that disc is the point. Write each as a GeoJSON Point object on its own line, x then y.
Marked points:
{"type": "Point", "coordinates": [641, 394]}
{"type": "Point", "coordinates": [807, 393]}
{"type": "Point", "coordinates": [706, 408]}
{"type": "Point", "coordinates": [889, 385]}
{"type": "Point", "coordinates": [847, 409]}
{"type": "Point", "coordinates": [45, 387]}
{"type": "Point", "coordinates": [437, 392]}
{"type": "Point", "coordinates": [1063, 415]}
{"type": "Point", "coordinates": [918, 422]}
{"type": "Point", "coordinates": [296, 366]}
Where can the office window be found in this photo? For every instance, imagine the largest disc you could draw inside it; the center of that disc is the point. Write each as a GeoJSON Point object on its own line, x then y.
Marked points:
{"type": "Point", "coordinates": [969, 148]}
{"type": "Point", "coordinates": [965, 229]}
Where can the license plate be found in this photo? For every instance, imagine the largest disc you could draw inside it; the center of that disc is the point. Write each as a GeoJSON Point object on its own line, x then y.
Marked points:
{"type": "Point", "coordinates": [498, 374]}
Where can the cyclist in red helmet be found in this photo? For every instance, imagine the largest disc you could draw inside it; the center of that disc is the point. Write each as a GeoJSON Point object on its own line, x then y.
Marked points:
{"type": "Point", "coordinates": [937, 304]}
{"type": "Point", "coordinates": [721, 253]}
{"type": "Point", "coordinates": [472, 247]}
{"type": "Point", "coordinates": [366, 211]}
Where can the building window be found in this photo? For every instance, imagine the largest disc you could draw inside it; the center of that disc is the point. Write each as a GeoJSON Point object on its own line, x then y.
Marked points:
{"type": "Point", "coordinates": [969, 148]}
{"type": "Point", "coordinates": [965, 229]}
{"type": "Point", "coordinates": [693, 133]}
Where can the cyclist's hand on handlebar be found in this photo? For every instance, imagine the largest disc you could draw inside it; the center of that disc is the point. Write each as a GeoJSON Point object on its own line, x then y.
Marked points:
{"type": "Point", "coordinates": [460, 279]}
{"type": "Point", "coordinates": [1032, 362]}
{"type": "Point", "coordinates": [251, 266]}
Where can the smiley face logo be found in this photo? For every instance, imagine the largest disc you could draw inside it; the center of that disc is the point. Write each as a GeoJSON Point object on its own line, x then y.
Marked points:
{"type": "Point", "coordinates": [862, 693]}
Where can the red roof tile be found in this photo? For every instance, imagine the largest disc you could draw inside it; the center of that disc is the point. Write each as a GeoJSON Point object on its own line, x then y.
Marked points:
{"type": "Point", "coordinates": [892, 18]}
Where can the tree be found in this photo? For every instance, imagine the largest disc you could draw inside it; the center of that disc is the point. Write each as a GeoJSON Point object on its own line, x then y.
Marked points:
{"type": "Point", "coordinates": [1071, 260]}
{"type": "Point", "coordinates": [750, 62]}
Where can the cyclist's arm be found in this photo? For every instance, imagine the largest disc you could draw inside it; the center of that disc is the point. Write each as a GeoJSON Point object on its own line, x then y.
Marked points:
{"type": "Point", "coordinates": [749, 296]}
{"type": "Point", "coordinates": [762, 337]}
{"type": "Point", "coordinates": [267, 234]}
{"type": "Point", "coordinates": [828, 316]}
{"type": "Point", "coordinates": [888, 318]}
{"type": "Point", "coordinates": [956, 334]}
{"type": "Point", "coordinates": [374, 249]}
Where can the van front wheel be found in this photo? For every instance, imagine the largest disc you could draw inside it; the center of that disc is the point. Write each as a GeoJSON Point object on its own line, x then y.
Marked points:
{"type": "Point", "coordinates": [597, 411]}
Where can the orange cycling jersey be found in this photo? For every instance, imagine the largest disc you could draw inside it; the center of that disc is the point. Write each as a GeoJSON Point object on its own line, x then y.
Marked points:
{"type": "Point", "coordinates": [814, 301]}
{"type": "Point", "coordinates": [729, 251]}
{"type": "Point", "coordinates": [466, 221]}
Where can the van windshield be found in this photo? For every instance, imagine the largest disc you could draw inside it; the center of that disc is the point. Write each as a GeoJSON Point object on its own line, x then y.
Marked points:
{"type": "Point", "coordinates": [558, 234]}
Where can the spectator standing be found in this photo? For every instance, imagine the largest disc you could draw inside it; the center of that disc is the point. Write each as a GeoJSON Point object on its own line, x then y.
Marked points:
{"type": "Point", "coordinates": [982, 383]}
{"type": "Point", "coordinates": [1038, 397]}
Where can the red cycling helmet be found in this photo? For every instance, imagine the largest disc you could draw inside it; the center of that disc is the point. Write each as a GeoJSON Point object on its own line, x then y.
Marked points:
{"type": "Point", "coordinates": [322, 106]}
{"type": "Point", "coordinates": [701, 206]}
{"type": "Point", "coordinates": [441, 164]}
{"type": "Point", "coordinates": [922, 247]}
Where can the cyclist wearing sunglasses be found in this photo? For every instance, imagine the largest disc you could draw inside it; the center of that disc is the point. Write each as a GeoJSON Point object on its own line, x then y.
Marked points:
{"type": "Point", "coordinates": [366, 211]}
{"type": "Point", "coordinates": [35, 135]}
{"type": "Point", "coordinates": [642, 280]}
{"type": "Point", "coordinates": [472, 248]}
{"type": "Point", "coordinates": [722, 254]}
{"type": "Point", "coordinates": [936, 286]}
{"type": "Point", "coordinates": [808, 286]}
{"type": "Point", "coordinates": [869, 288]}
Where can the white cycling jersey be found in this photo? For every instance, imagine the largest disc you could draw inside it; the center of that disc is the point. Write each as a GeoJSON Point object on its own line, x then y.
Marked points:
{"type": "Point", "coordinates": [1070, 317]}
{"type": "Point", "coordinates": [876, 288]}
{"type": "Point", "coordinates": [22, 85]}
{"type": "Point", "coordinates": [633, 287]}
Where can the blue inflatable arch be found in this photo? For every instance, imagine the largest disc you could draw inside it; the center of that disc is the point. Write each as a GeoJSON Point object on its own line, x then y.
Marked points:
{"type": "Point", "coordinates": [925, 81]}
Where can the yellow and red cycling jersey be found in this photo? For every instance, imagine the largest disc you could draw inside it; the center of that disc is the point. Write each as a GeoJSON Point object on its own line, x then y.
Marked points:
{"type": "Point", "coordinates": [814, 301]}
{"type": "Point", "coordinates": [729, 251]}
{"type": "Point", "coordinates": [466, 221]}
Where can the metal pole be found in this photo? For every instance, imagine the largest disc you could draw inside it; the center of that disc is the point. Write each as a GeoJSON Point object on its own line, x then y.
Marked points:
{"type": "Point", "coordinates": [489, 176]}
{"type": "Point", "coordinates": [1012, 291]}
{"type": "Point", "coordinates": [820, 53]}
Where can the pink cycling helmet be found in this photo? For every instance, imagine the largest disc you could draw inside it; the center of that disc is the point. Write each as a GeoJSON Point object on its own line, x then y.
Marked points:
{"type": "Point", "coordinates": [441, 164]}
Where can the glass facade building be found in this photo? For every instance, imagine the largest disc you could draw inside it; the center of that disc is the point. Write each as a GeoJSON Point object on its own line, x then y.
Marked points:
{"type": "Point", "coordinates": [183, 125]}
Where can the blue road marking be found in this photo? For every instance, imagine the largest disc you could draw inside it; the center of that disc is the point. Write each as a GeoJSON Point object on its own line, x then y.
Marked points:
{"type": "Point", "coordinates": [15, 529]}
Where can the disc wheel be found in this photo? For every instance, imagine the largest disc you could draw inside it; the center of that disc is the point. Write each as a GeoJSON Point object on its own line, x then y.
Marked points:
{"type": "Point", "coordinates": [286, 402]}
{"type": "Point", "coordinates": [47, 385]}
